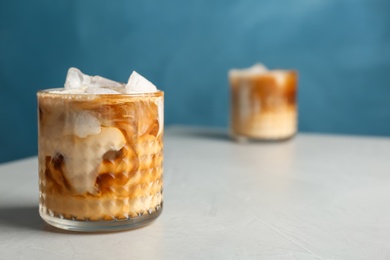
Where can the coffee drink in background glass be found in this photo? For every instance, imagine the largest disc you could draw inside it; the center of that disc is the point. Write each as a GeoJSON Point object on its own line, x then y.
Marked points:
{"type": "Point", "coordinates": [263, 103]}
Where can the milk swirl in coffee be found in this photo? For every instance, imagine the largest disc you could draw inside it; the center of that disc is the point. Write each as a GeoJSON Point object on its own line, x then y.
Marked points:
{"type": "Point", "coordinates": [100, 150]}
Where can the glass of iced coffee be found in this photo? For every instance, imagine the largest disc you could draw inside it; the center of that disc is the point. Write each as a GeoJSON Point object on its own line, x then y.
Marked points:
{"type": "Point", "coordinates": [100, 153]}
{"type": "Point", "coordinates": [263, 103]}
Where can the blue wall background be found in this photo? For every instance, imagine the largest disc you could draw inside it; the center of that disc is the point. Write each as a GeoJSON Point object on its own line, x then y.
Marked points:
{"type": "Point", "coordinates": [341, 49]}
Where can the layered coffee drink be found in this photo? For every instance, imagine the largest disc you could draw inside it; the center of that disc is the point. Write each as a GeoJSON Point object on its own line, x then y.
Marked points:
{"type": "Point", "coordinates": [263, 103]}
{"type": "Point", "coordinates": [100, 153]}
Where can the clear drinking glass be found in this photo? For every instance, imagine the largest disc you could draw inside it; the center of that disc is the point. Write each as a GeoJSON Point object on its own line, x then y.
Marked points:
{"type": "Point", "coordinates": [100, 159]}
{"type": "Point", "coordinates": [264, 105]}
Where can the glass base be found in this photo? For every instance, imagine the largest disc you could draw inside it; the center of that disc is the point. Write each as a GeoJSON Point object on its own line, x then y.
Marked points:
{"type": "Point", "coordinates": [101, 226]}
{"type": "Point", "coordinates": [246, 139]}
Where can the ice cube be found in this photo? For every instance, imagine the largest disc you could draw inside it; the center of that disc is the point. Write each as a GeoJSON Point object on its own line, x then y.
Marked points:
{"type": "Point", "coordinates": [75, 79]}
{"type": "Point", "coordinates": [256, 69]}
{"type": "Point", "coordinates": [138, 84]}
{"type": "Point", "coordinates": [97, 81]}
{"type": "Point", "coordinates": [82, 124]}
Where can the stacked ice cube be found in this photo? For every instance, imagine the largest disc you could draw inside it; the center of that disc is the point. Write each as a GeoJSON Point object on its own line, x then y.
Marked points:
{"type": "Point", "coordinates": [258, 70]}
{"type": "Point", "coordinates": [78, 82]}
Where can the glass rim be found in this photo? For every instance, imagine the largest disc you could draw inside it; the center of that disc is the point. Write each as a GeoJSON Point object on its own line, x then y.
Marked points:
{"type": "Point", "coordinates": [243, 74]}
{"type": "Point", "coordinates": [49, 92]}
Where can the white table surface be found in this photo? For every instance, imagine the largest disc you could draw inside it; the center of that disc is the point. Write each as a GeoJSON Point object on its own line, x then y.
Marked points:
{"type": "Point", "coordinates": [312, 197]}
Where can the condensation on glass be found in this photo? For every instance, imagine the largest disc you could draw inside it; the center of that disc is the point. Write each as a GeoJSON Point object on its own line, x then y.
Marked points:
{"type": "Point", "coordinates": [100, 160]}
